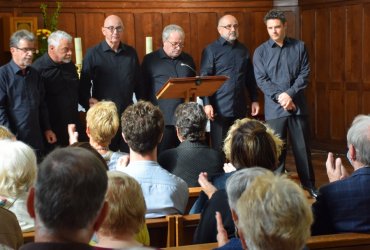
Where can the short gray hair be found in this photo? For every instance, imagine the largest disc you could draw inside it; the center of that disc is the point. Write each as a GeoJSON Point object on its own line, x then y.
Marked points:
{"type": "Point", "coordinates": [359, 136]}
{"type": "Point", "coordinates": [19, 35]}
{"type": "Point", "coordinates": [240, 180]}
{"type": "Point", "coordinates": [170, 29]}
{"type": "Point", "coordinates": [273, 213]}
{"type": "Point", "coordinates": [191, 121]}
{"type": "Point", "coordinates": [56, 36]}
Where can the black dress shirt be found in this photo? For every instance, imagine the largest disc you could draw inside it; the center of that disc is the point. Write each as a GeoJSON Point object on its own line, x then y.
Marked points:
{"type": "Point", "coordinates": [61, 94]}
{"type": "Point", "coordinates": [157, 68]}
{"type": "Point", "coordinates": [189, 159]}
{"type": "Point", "coordinates": [282, 69]}
{"type": "Point", "coordinates": [232, 60]}
{"type": "Point", "coordinates": [22, 106]}
{"type": "Point", "coordinates": [114, 76]}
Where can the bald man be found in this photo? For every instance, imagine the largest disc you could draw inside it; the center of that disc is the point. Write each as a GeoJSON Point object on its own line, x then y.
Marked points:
{"type": "Point", "coordinates": [227, 56]}
{"type": "Point", "coordinates": [111, 69]}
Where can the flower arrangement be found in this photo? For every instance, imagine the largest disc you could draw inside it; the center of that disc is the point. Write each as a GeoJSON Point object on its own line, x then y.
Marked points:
{"type": "Point", "coordinates": [50, 24]}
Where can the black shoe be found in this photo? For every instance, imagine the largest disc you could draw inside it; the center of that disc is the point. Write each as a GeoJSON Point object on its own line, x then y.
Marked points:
{"type": "Point", "coordinates": [312, 191]}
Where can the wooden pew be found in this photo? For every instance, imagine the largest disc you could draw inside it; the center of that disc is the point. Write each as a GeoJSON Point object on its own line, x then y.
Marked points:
{"type": "Point", "coordinates": [28, 237]}
{"type": "Point", "coordinates": [162, 231]}
{"type": "Point", "coordinates": [193, 196]}
{"type": "Point", "coordinates": [185, 228]}
{"type": "Point", "coordinates": [344, 241]}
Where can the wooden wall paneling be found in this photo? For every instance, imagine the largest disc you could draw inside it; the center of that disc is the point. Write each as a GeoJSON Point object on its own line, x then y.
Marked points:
{"type": "Point", "coordinates": [351, 105]}
{"type": "Point", "coordinates": [365, 105]}
{"type": "Point", "coordinates": [204, 31]}
{"type": "Point", "coordinates": [336, 114]}
{"type": "Point", "coordinates": [88, 27]}
{"type": "Point", "coordinates": [4, 55]}
{"type": "Point", "coordinates": [67, 23]}
{"type": "Point", "coordinates": [322, 125]}
{"type": "Point", "coordinates": [147, 24]}
{"type": "Point", "coordinates": [337, 45]}
{"type": "Point", "coordinates": [353, 45]}
{"type": "Point", "coordinates": [259, 32]}
{"type": "Point", "coordinates": [308, 36]}
{"type": "Point", "coordinates": [322, 44]}
{"type": "Point", "coordinates": [366, 45]}
{"type": "Point", "coordinates": [291, 18]}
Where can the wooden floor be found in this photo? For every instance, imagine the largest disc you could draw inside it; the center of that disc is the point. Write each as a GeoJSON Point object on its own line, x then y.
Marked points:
{"type": "Point", "coordinates": [318, 162]}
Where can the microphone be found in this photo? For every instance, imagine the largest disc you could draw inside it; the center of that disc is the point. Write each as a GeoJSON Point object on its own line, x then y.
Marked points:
{"type": "Point", "coordinates": [198, 80]}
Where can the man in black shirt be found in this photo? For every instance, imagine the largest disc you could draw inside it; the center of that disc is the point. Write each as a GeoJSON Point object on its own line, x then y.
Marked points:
{"type": "Point", "coordinates": [61, 85]}
{"type": "Point", "coordinates": [158, 67]}
{"type": "Point", "coordinates": [112, 69]}
{"type": "Point", "coordinates": [227, 56]}
{"type": "Point", "coordinates": [22, 106]}
{"type": "Point", "coordinates": [282, 70]}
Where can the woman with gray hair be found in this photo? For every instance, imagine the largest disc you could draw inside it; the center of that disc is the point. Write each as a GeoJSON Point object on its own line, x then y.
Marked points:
{"type": "Point", "coordinates": [17, 174]}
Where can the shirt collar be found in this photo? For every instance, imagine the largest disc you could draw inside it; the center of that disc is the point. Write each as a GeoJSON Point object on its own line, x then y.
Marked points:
{"type": "Point", "coordinates": [223, 41]}
{"type": "Point", "coordinates": [163, 55]}
{"type": "Point", "coordinates": [16, 69]}
{"type": "Point", "coordinates": [272, 43]}
{"type": "Point", "coordinates": [106, 47]}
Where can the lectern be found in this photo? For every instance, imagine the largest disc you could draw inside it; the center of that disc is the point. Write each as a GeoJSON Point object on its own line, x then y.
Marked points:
{"type": "Point", "coordinates": [190, 87]}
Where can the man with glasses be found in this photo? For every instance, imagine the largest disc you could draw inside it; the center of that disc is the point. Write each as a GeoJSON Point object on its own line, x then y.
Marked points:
{"type": "Point", "coordinates": [22, 106]}
{"type": "Point", "coordinates": [158, 67]}
{"type": "Point", "coordinates": [110, 71]}
{"type": "Point", "coordinates": [227, 56]}
{"type": "Point", "coordinates": [61, 85]}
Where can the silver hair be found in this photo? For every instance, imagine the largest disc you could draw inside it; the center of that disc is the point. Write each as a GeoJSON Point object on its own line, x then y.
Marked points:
{"type": "Point", "coordinates": [19, 35]}
{"type": "Point", "coordinates": [359, 136]}
{"type": "Point", "coordinates": [56, 36]}
{"type": "Point", "coordinates": [170, 29]}
{"type": "Point", "coordinates": [18, 167]}
{"type": "Point", "coordinates": [240, 180]}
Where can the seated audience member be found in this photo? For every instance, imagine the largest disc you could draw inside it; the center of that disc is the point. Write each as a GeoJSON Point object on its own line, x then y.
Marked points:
{"type": "Point", "coordinates": [343, 204]}
{"type": "Point", "coordinates": [88, 146]}
{"type": "Point", "coordinates": [235, 186]}
{"type": "Point", "coordinates": [126, 216]}
{"type": "Point", "coordinates": [18, 166]}
{"type": "Point", "coordinates": [102, 122]}
{"type": "Point", "coordinates": [273, 213]}
{"type": "Point", "coordinates": [192, 156]}
{"type": "Point", "coordinates": [10, 233]}
{"type": "Point", "coordinates": [5, 133]}
{"type": "Point", "coordinates": [142, 129]}
{"type": "Point", "coordinates": [248, 143]}
{"type": "Point", "coordinates": [67, 202]}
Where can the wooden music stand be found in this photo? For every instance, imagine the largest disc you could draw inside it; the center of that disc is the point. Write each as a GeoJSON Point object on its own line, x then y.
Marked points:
{"type": "Point", "coordinates": [190, 87]}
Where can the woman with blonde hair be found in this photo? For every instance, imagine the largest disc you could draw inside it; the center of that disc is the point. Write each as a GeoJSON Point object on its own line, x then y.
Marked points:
{"type": "Point", "coordinates": [18, 167]}
{"type": "Point", "coordinates": [249, 143]}
{"type": "Point", "coordinates": [126, 216]}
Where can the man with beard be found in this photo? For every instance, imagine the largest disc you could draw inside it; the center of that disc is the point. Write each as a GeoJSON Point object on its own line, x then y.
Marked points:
{"type": "Point", "coordinates": [227, 56]}
{"type": "Point", "coordinates": [61, 82]}
{"type": "Point", "coordinates": [110, 71]}
{"type": "Point", "coordinates": [22, 106]}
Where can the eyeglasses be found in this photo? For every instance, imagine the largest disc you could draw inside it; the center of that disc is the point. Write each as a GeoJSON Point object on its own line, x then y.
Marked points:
{"type": "Point", "coordinates": [25, 50]}
{"type": "Point", "coordinates": [230, 26]}
{"type": "Point", "coordinates": [174, 45]}
{"type": "Point", "coordinates": [118, 29]}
